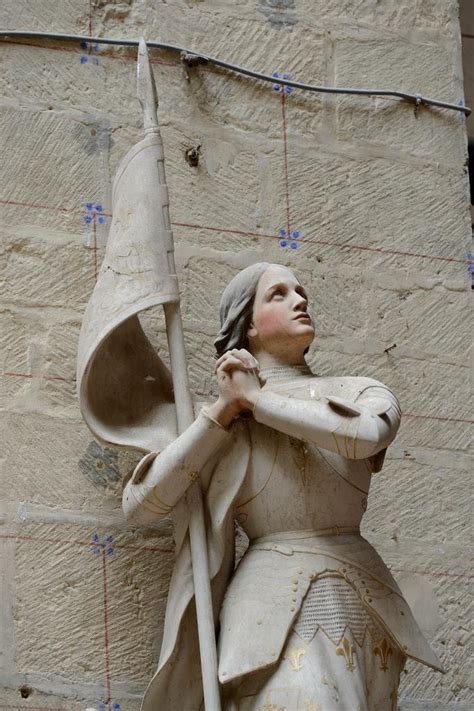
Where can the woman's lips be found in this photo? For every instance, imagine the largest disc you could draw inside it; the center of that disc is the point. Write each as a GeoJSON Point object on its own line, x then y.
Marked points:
{"type": "Point", "coordinates": [303, 316]}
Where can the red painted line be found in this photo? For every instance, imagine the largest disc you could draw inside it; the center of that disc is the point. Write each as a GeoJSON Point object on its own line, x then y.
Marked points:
{"type": "Point", "coordinates": [36, 205]}
{"type": "Point", "coordinates": [432, 573]}
{"type": "Point", "coordinates": [336, 245]}
{"type": "Point", "coordinates": [36, 376]}
{"type": "Point", "coordinates": [110, 54]}
{"type": "Point", "coordinates": [47, 207]}
{"type": "Point", "coordinates": [440, 574]}
{"type": "Point", "coordinates": [435, 417]}
{"type": "Point", "coordinates": [90, 18]}
{"type": "Point", "coordinates": [285, 149]}
{"type": "Point", "coordinates": [84, 544]}
{"type": "Point", "coordinates": [226, 230]}
{"type": "Point", "coordinates": [106, 632]}
{"type": "Point", "coordinates": [33, 708]}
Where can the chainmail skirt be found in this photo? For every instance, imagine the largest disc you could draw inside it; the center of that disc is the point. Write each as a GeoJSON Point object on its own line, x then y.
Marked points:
{"type": "Point", "coordinates": [336, 658]}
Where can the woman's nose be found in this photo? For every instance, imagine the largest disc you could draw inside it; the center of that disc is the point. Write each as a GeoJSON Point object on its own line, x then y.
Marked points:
{"type": "Point", "coordinates": [301, 302]}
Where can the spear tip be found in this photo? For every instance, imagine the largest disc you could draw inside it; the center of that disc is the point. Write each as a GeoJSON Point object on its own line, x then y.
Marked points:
{"type": "Point", "coordinates": [146, 88]}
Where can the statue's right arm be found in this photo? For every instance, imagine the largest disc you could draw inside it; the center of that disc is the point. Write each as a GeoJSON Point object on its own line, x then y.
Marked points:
{"type": "Point", "coordinates": [161, 479]}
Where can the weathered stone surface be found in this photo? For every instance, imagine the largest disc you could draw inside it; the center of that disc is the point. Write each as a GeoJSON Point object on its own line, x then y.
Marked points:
{"type": "Point", "coordinates": [63, 469]}
{"type": "Point", "coordinates": [400, 65]}
{"type": "Point", "coordinates": [76, 573]}
{"type": "Point", "coordinates": [405, 489]}
{"type": "Point", "coordinates": [434, 320]}
{"type": "Point", "coordinates": [32, 267]}
{"type": "Point", "coordinates": [70, 16]}
{"type": "Point", "coordinates": [45, 147]}
{"type": "Point", "coordinates": [379, 198]}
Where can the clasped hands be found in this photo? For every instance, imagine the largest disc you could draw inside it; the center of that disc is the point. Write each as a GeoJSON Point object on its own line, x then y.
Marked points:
{"type": "Point", "coordinates": [239, 385]}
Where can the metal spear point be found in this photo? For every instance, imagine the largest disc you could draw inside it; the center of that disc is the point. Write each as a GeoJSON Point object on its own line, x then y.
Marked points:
{"type": "Point", "coordinates": [184, 411]}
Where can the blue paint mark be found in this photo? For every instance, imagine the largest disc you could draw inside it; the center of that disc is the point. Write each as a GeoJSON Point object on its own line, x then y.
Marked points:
{"type": "Point", "coordinates": [280, 87]}
{"type": "Point", "coordinates": [94, 210]}
{"type": "Point", "coordinates": [289, 239]}
{"type": "Point", "coordinates": [105, 545]}
{"type": "Point", "coordinates": [94, 47]}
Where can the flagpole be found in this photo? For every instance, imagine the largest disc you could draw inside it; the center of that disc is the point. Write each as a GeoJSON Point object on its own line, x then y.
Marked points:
{"type": "Point", "coordinates": [184, 411]}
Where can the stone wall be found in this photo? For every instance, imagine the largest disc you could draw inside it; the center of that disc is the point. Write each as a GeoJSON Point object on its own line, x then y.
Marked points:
{"type": "Point", "coordinates": [370, 198]}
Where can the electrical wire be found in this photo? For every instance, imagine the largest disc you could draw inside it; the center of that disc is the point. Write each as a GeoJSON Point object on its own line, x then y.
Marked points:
{"type": "Point", "coordinates": [191, 57]}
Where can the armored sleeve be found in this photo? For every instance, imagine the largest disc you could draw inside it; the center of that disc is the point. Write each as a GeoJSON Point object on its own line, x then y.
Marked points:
{"type": "Point", "coordinates": [161, 479]}
{"type": "Point", "coordinates": [357, 428]}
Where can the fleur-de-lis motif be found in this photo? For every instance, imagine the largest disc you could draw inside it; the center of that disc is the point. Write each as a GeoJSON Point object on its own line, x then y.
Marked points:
{"type": "Point", "coordinates": [293, 655]}
{"type": "Point", "coordinates": [383, 650]}
{"type": "Point", "coordinates": [346, 650]}
{"type": "Point", "coordinates": [268, 706]}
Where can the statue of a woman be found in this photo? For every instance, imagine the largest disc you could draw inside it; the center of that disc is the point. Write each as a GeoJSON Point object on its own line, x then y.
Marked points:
{"type": "Point", "coordinates": [310, 618]}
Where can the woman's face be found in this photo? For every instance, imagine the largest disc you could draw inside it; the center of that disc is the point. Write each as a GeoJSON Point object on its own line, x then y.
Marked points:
{"type": "Point", "coordinates": [281, 322]}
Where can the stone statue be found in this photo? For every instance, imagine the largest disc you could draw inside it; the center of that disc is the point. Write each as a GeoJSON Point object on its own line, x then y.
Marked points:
{"type": "Point", "coordinates": [310, 618]}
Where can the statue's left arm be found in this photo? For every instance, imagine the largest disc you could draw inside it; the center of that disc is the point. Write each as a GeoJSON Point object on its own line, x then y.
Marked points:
{"type": "Point", "coordinates": [356, 428]}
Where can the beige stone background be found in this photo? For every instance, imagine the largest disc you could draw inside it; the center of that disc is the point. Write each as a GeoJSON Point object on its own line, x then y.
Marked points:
{"type": "Point", "coordinates": [379, 196]}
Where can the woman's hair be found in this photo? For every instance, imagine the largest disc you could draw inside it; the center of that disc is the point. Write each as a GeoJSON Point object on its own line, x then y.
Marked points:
{"type": "Point", "coordinates": [236, 308]}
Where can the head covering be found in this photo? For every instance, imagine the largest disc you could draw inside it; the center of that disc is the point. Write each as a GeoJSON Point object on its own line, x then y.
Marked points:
{"type": "Point", "coordinates": [235, 309]}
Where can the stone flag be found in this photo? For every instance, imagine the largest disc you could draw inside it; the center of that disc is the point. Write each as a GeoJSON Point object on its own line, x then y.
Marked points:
{"type": "Point", "coordinates": [125, 391]}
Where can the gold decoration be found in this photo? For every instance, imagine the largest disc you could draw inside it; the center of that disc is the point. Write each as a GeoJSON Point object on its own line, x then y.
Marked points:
{"type": "Point", "coordinates": [312, 707]}
{"type": "Point", "coordinates": [193, 476]}
{"type": "Point", "coordinates": [268, 706]}
{"type": "Point", "coordinates": [346, 650]}
{"type": "Point", "coordinates": [383, 650]}
{"type": "Point", "coordinates": [293, 655]}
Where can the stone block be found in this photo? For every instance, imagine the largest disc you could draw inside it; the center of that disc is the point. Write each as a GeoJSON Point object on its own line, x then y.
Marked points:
{"type": "Point", "coordinates": [39, 360]}
{"type": "Point", "coordinates": [414, 67]}
{"type": "Point", "coordinates": [377, 211]}
{"type": "Point", "coordinates": [382, 15]}
{"type": "Point", "coordinates": [55, 462]}
{"type": "Point", "coordinates": [14, 354]}
{"type": "Point", "coordinates": [47, 272]}
{"type": "Point", "coordinates": [104, 593]}
{"type": "Point", "coordinates": [14, 699]}
{"type": "Point", "coordinates": [70, 16]}
{"type": "Point", "coordinates": [406, 489]}
{"type": "Point", "coordinates": [70, 77]}
{"type": "Point", "coordinates": [435, 320]}
{"type": "Point", "coordinates": [54, 164]}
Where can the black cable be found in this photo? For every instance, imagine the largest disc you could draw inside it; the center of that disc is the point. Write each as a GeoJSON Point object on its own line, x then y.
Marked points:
{"type": "Point", "coordinates": [191, 57]}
